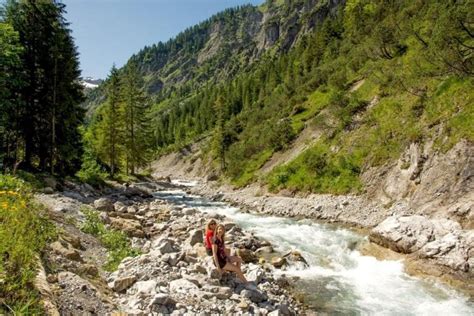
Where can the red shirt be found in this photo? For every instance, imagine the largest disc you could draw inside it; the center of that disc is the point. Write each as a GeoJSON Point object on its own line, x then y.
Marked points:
{"type": "Point", "coordinates": [208, 241]}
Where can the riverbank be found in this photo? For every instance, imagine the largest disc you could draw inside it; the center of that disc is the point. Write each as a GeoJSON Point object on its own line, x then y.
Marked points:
{"type": "Point", "coordinates": [164, 268]}
{"type": "Point", "coordinates": [432, 247]}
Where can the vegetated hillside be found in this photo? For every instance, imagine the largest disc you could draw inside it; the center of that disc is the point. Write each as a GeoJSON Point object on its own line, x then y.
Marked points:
{"type": "Point", "coordinates": [356, 82]}
{"type": "Point", "coordinates": [224, 45]}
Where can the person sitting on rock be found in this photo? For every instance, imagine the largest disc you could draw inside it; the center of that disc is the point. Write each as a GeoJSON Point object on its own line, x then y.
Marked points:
{"type": "Point", "coordinates": [221, 259]}
{"type": "Point", "coordinates": [210, 229]}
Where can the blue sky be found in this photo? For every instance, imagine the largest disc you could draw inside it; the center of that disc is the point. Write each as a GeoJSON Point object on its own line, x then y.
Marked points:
{"type": "Point", "coordinates": [110, 31]}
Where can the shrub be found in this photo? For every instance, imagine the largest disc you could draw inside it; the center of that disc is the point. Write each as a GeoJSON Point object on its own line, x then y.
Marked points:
{"type": "Point", "coordinates": [24, 232]}
{"type": "Point", "coordinates": [115, 241]}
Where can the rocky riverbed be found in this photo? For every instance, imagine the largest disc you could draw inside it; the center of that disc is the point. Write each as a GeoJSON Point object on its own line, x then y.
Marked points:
{"type": "Point", "coordinates": [432, 245]}
{"type": "Point", "coordinates": [171, 275]}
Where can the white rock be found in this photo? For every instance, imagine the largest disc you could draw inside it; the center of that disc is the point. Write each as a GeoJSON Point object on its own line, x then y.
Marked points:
{"type": "Point", "coordinates": [144, 288]}
{"type": "Point", "coordinates": [182, 286]}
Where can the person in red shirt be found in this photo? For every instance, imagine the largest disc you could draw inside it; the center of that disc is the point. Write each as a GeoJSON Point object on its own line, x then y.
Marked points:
{"type": "Point", "coordinates": [210, 229]}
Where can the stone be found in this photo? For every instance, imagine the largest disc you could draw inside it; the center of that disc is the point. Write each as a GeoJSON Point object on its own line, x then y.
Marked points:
{"type": "Point", "coordinates": [264, 250]}
{"type": "Point", "coordinates": [278, 262]}
{"type": "Point", "coordinates": [66, 251]}
{"type": "Point", "coordinates": [229, 225]}
{"type": "Point", "coordinates": [120, 207]}
{"type": "Point", "coordinates": [295, 259]}
{"type": "Point", "coordinates": [122, 283]}
{"type": "Point", "coordinates": [182, 286]}
{"type": "Point", "coordinates": [89, 269]}
{"type": "Point", "coordinates": [283, 309]}
{"type": "Point", "coordinates": [145, 288]}
{"type": "Point", "coordinates": [243, 305]}
{"type": "Point", "coordinates": [75, 241]}
{"type": "Point", "coordinates": [162, 299]}
{"type": "Point", "coordinates": [164, 246]}
{"type": "Point", "coordinates": [52, 278]}
{"type": "Point", "coordinates": [247, 255]}
{"type": "Point", "coordinates": [104, 217]}
{"type": "Point", "coordinates": [195, 236]}
{"type": "Point", "coordinates": [104, 204]}
{"type": "Point", "coordinates": [189, 211]}
{"type": "Point", "coordinates": [131, 227]}
{"type": "Point", "coordinates": [255, 296]}
{"type": "Point", "coordinates": [48, 190]}
{"type": "Point", "coordinates": [132, 209]}
{"type": "Point", "coordinates": [254, 273]}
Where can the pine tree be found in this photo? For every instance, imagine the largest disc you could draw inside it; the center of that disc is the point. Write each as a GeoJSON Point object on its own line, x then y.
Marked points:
{"type": "Point", "coordinates": [111, 126]}
{"type": "Point", "coordinates": [48, 110]}
{"type": "Point", "coordinates": [137, 120]}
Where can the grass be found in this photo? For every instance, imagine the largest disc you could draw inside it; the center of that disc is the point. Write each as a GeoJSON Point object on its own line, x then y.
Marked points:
{"type": "Point", "coordinates": [400, 118]}
{"type": "Point", "coordinates": [317, 101]}
{"type": "Point", "coordinates": [115, 241]}
{"type": "Point", "coordinates": [318, 170]}
{"type": "Point", "coordinates": [251, 166]}
{"type": "Point", "coordinates": [24, 233]}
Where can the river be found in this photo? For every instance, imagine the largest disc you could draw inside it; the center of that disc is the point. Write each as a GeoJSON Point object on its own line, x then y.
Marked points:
{"type": "Point", "coordinates": [340, 280]}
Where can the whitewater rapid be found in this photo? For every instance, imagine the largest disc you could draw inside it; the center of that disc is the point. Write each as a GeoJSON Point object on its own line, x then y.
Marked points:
{"type": "Point", "coordinates": [340, 280]}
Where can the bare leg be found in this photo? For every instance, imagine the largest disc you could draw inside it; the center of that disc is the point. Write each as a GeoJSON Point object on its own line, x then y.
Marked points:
{"type": "Point", "coordinates": [236, 260]}
{"type": "Point", "coordinates": [233, 268]}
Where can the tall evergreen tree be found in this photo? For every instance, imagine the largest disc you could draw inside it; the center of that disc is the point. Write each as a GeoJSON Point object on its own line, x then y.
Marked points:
{"type": "Point", "coordinates": [10, 83]}
{"type": "Point", "coordinates": [137, 120]}
{"type": "Point", "coordinates": [49, 111]}
{"type": "Point", "coordinates": [111, 126]}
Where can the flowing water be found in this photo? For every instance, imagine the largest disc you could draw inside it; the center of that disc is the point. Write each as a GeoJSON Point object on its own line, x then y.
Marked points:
{"type": "Point", "coordinates": [339, 280]}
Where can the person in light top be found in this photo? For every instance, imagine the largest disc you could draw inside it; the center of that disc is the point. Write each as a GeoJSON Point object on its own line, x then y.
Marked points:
{"type": "Point", "coordinates": [221, 259]}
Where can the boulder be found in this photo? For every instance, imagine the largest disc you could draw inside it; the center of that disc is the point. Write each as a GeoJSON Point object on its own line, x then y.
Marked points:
{"type": "Point", "coordinates": [164, 245]}
{"type": "Point", "coordinates": [295, 259]}
{"type": "Point", "coordinates": [122, 283]}
{"type": "Point", "coordinates": [162, 299]}
{"type": "Point", "coordinates": [255, 296]}
{"type": "Point", "coordinates": [120, 207]}
{"type": "Point", "coordinates": [89, 269]}
{"type": "Point", "coordinates": [195, 236]}
{"type": "Point", "coordinates": [229, 225]}
{"type": "Point", "coordinates": [247, 255]}
{"type": "Point", "coordinates": [254, 273]}
{"type": "Point", "coordinates": [104, 204]}
{"type": "Point", "coordinates": [189, 211]}
{"type": "Point", "coordinates": [131, 227]}
{"type": "Point", "coordinates": [182, 286]}
{"type": "Point", "coordinates": [278, 262]}
{"type": "Point", "coordinates": [144, 288]}
{"type": "Point", "coordinates": [220, 292]}
{"type": "Point", "coordinates": [48, 190]}
{"type": "Point", "coordinates": [66, 251]}
{"type": "Point", "coordinates": [408, 234]}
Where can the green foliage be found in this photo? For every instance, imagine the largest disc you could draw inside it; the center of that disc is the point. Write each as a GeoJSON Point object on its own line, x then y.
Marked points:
{"type": "Point", "coordinates": [24, 232]}
{"type": "Point", "coordinates": [318, 170]}
{"type": "Point", "coordinates": [119, 135]}
{"type": "Point", "coordinates": [369, 79]}
{"type": "Point", "coordinates": [115, 241]}
{"type": "Point", "coordinates": [40, 90]}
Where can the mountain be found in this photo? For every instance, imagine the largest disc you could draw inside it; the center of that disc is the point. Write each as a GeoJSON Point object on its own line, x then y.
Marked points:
{"type": "Point", "coordinates": [317, 96]}
{"type": "Point", "coordinates": [91, 83]}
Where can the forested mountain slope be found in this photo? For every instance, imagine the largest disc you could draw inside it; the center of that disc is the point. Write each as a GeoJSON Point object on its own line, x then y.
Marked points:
{"type": "Point", "coordinates": [315, 92]}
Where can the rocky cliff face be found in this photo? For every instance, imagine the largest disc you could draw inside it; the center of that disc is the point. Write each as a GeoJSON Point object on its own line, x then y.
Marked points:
{"type": "Point", "coordinates": [431, 182]}
{"type": "Point", "coordinates": [229, 42]}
